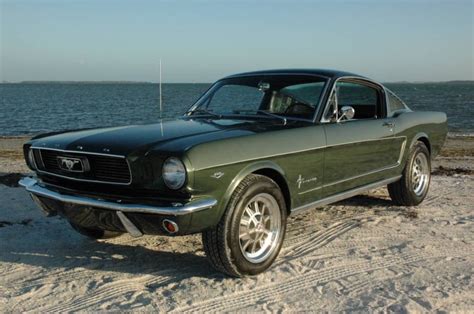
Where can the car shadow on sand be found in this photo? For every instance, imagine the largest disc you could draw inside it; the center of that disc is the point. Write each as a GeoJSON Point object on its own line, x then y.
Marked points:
{"type": "Point", "coordinates": [102, 256]}
{"type": "Point", "coordinates": [380, 205]}
{"type": "Point", "coordinates": [366, 201]}
{"type": "Point", "coordinates": [74, 252]}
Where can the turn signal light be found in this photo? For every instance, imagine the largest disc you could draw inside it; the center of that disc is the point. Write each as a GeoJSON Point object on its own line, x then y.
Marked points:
{"type": "Point", "coordinates": [170, 226]}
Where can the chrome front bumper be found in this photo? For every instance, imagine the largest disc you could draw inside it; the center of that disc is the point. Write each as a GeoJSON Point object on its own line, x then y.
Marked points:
{"type": "Point", "coordinates": [33, 186]}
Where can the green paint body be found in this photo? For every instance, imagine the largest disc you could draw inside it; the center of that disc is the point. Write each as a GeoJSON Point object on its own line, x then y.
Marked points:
{"type": "Point", "coordinates": [330, 158]}
{"type": "Point", "coordinates": [308, 159]}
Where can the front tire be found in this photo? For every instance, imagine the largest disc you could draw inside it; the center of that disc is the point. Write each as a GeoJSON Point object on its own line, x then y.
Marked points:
{"type": "Point", "coordinates": [413, 186]}
{"type": "Point", "coordinates": [250, 234]}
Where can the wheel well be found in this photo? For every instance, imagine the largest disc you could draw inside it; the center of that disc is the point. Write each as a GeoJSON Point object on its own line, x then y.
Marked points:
{"type": "Point", "coordinates": [425, 141]}
{"type": "Point", "coordinates": [280, 180]}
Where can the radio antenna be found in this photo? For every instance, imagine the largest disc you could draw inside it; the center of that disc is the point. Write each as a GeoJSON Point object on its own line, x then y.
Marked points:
{"type": "Point", "coordinates": [161, 105]}
{"type": "Point", "coordinates": [161, 97]}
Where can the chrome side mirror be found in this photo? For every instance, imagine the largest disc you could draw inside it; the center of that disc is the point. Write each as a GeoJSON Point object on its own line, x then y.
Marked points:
{"type": "Point", "coordinates": [347, 112]}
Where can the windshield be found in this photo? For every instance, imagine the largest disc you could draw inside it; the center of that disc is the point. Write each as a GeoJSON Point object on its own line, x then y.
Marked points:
{"type": "Point", "coordinates": [286, 96]}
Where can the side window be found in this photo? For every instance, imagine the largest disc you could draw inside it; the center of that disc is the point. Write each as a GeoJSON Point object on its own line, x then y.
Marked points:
{"type": "Point", "coordinates": [364, 99]}
{"type": "Point", "coordinates": [394, 102]}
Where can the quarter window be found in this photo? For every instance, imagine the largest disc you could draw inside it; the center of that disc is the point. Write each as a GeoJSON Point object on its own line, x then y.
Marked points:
{"type": "Point", "coordinates": [394, 102]}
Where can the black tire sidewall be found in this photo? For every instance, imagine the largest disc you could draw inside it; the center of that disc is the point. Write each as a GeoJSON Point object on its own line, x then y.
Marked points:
{"type": "Point", "coordinates": [263, 185]}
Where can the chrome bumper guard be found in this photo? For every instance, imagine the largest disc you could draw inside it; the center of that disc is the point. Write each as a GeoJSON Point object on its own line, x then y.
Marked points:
{"type": "Point", "coordinates": [35, 189]}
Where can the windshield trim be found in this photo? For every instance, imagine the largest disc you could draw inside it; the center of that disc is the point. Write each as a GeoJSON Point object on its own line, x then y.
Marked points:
{"type": "Point", "coordinates": [324, 78]}
{"type": "Point", "coordinates": [244, 116]}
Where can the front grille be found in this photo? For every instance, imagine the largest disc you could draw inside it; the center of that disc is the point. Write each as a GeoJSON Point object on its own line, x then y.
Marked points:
{"type": "Point", "coordinates": [103, 168]}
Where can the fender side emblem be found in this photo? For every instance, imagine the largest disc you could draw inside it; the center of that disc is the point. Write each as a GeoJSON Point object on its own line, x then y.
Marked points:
{"type": "Point", "coordinates": [217, 175]}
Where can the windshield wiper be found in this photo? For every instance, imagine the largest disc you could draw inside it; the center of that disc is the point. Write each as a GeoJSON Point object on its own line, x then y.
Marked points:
{"type": "Point", "coordinates": [192, 112]}
{"type": "Point", "coordinates": [273, 115]}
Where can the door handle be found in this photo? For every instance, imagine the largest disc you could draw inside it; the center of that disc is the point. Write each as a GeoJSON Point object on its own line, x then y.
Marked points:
{"type": "Point", "coordinates": [389, 124]}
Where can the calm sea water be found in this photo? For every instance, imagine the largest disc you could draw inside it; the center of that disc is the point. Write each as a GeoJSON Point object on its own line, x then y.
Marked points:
{"type": "Point", "coordinates": [34, 108]}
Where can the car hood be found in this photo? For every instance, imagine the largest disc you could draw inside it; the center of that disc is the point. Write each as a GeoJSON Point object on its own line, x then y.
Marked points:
{"type": "Point", "coordinates": [178, 134]}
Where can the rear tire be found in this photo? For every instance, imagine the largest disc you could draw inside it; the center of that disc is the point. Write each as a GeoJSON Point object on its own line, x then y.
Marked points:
{"type": "Point", "coordinates": [413, 186]}
{"type": "Point", "coordinates": [250, 234]}
{"type": "Point", "coordinates": [95, 234]}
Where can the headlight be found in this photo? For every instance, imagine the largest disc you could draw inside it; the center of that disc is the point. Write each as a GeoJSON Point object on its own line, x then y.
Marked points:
{"type": "Point", "coordinates": [31, 159]}
{"type": "Point", "coordinates": [174, 173]}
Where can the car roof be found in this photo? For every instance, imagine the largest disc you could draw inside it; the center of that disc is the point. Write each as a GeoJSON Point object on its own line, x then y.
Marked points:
{"type": "Point", "coordinates": [333, 74]}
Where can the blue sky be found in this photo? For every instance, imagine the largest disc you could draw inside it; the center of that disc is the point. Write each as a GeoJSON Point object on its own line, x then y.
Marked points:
{"type": "Point", "coordinates": [201, 41]}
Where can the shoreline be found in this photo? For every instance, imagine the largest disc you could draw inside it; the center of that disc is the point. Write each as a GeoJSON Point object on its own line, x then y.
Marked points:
{"type": "Point", "coordinates": [451, 134]}
{"type": "Point", "coordinates": [27, 135]}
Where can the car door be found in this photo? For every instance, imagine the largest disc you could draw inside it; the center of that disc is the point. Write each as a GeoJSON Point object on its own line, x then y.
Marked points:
{"type": "Point", "coordinates": [305, 168]}
{"type": "Point", "coordinates": [359, 150]}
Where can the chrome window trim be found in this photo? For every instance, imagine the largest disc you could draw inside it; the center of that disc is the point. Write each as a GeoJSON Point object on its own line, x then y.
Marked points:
{"type": "Point", "coordinates": [355, 79]}
{"type": "Point", "coordinates": [85, 153]}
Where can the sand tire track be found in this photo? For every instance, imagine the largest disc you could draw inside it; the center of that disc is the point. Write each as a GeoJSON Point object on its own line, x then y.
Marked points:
{"type": "Point", "coordinates": [270, 292]}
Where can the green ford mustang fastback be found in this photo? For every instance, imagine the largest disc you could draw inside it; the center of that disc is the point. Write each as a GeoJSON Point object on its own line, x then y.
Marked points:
{"type": "Point", "coordinates": [255, 148]}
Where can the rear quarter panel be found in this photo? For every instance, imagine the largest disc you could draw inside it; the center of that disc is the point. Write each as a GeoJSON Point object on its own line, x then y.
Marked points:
{"type": "Point", "coordinates": [415, 125]}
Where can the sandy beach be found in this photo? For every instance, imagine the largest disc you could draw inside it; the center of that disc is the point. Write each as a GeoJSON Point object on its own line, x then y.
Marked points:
{"type": "Point", "coordinates": [362, 254]}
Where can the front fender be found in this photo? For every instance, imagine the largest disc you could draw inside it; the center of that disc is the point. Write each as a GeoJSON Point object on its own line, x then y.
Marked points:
{"type": "Point", "coordinates": [237, 179]}
{"type": "Point", "coordinates": [223, 188]}
{"type": "Point", "coordinates": [248, 169]}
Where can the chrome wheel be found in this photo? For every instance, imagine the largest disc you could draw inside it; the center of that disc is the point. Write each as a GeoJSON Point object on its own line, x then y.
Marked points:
{"type": "Point", "coordinates": [420, 174]}
{"type": "Point", "coordinates": [260, 227]}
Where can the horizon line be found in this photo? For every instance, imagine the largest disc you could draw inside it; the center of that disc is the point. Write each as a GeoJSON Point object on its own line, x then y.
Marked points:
{"type": "Point", "coordinates": [151, 82]}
